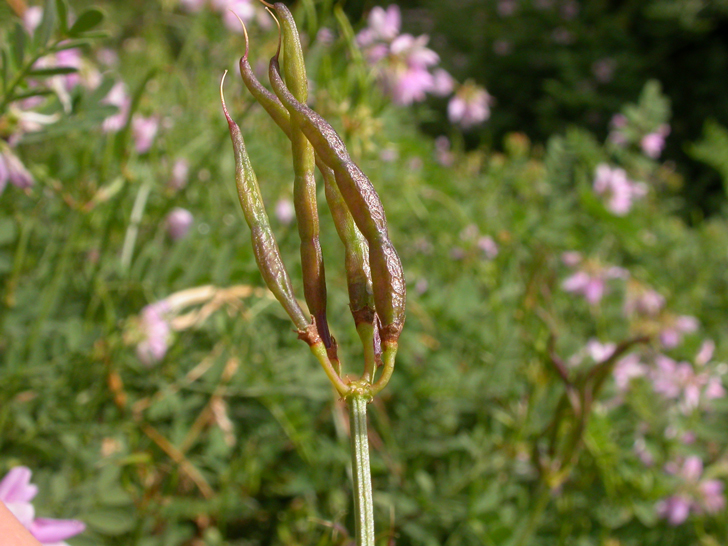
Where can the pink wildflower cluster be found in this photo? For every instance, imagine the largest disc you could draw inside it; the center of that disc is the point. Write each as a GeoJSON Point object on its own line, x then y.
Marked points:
{"type": "Point", "coordinates": [590, 279]}
{"type": "Point", "coordinates": [16, 492]}
{"type": "Point", "coordinates": [695, 493]}
{"type": "Point", "coordinates": [407, 69]}
{"type": "Point", "coordinates": [689, 385]}
{"type": "Point", "coordinates": [483, 245]}
{"type": "Point", "coordinates": [618, 191]}
{"type": "Point", "coordinates": [651, 143]}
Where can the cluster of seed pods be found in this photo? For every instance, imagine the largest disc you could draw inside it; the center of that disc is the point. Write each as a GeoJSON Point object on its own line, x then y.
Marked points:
{"type": "Point", "coordinates": [374, 272]}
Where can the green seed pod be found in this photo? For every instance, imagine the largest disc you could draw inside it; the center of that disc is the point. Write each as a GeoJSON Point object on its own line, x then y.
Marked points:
{"type": "Point", "coordinates": [265, 248]}
{"type": "Point", "coordinates": [364, 204]}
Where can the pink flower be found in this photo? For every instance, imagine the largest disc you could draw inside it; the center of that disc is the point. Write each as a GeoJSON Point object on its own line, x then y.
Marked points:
{"type": "Point", "coordinates": [506, 8]}
{"type": "Point", "coordinates": [443, 83]}
{"type": "Point", "coordinates": [626, 369]}
{"type": "Point", "coordinates": [617, 188]}
{"type": "Point", "coordinates": [470, 106]}
{"type": "Point", "coordinates": [156, 332]}
{"type": "Point", "coordinates": [689, 385]}
{"type": "Point", "coordinates": [285, 211]}
{"type": "Point", "coordinates": [603, 70]}
{"type": "Point", "coordinates": [591, 281]}
{"type": "Point", "coordinates": [325, 36]}
{"type": "Point", "coordinates": [675, 327]}
{"type": "Point", "coordinates": [245, 9]}
{"type": "Point", "coordinates": [180, 173]}
{"type": "Point", "coordinates": [443, 154]}
{"type": "Point", "coordinates": [16, 492]}
{"type": "Point", "coordinates": [407, 85]}
{"type": "Point", "coordinates": [383, 26]}
{"type": "Point", "coordinates": [144, 130]}
{"type": "Point", "coordinates": [694, 494]}
{"type": "Point", "coordinates": [488, 246]}
{"type": "Point", "coordinates": [118, 97]}
{"type": "Point", "coordinates": [179, 221]}
{"type": "Point", "coordinates": [599, 352]}
{"type": "Point", "coordinates": [32, 18]}
{"type": "Point", "coordinates": [12, 170]}
{"type": "Point", "coordinates": [193, 5]}
{"type": "Point", "coordinates": [642, 300]}
{"type": "Point", "coordinates": [652, 145]}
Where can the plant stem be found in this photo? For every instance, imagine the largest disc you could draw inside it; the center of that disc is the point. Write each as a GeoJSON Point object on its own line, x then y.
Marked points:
{"type": "Point", "coordinates": [361, 474]}
{"type": "Point", "coordinates": [543, 495]}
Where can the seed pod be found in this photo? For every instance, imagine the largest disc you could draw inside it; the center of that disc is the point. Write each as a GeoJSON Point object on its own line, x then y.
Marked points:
{"type": "Point", "coordinates": [304, 185]}
{"type": "Point", "coordinates": [364, 204]}
{"type": "Point", "coordinates": [265, 248]}
{"type": "Point", "coordinates": [356, 248]}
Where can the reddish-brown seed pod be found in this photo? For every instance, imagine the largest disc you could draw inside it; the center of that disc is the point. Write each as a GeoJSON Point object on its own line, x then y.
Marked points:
{"type": "Point", "coordinates": [265, 248]}
{"type": "Point", "coordinates": [361, 298]}
{"type": "Point", "coordinates": [364, 204]}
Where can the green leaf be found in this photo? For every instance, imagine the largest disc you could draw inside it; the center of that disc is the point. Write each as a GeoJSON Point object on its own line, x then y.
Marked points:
{"type": "Point", "coordinates": [55, 71]}
{"type": "Point", "coordinates": [20, 41]}
{"type": "Point", "coordinates": [45, 30]}
{"type": "Point", "coordinates": [33, 93]}
{"type": "Point", "coordinates": [8, 231]}
{"type": "Point", "coordinates": [71, 44]}
{"type": "Point", "coordinates": [62, 10]}
{"type": "Point", "coordinates": [110, 522]}
{"type": "Point", "coordinates": [86, 21]}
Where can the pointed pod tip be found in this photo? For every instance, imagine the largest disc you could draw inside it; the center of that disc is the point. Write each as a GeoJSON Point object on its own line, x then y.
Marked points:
{"type": "Point", "coordinates": [280, 35]}
{"type": "Point", "coordinates": [222, 98]}
{"type": "Point", "coordinates": [245, 33]}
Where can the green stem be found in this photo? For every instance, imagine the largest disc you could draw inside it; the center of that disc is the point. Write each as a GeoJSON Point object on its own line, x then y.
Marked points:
{"type": "Point", "coordinates": [363, 502]}
{"type": "Point", "coordinates": [543, 496]}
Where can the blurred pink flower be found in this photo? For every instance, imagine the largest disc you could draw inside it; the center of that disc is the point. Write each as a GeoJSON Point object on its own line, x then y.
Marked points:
{"type": "Point", "coordinates": [180, 174]}
{"type": "Point", "coordinates": [694, 494]}
{"type": "Point", "coordinates": [443, 82]}
{"type": "Point", "coordinates": [674, 327]}
{"type": "Point", "coordinates": [652, 145]}
{"type": "Point", "coordinates": [12, 170]}
{"type": "Point", "coordinates": [641, 300]}
{"type": "Point", "coordinates": [144, 130]}
{"type": "Point", "coordinates": [285, 211]}
{"type": "Point", "coordinates": [325, 36]}
{"type": "Point", "coordinates": [156, 333]}
{"type": "Point", "coordinates": [488, 246]}
{"type": "Point", "coordinates": [603, 70]}
{"type": "Point", "coordinates": [626, 369]}
{"type": "Point", "coordinates": [179, 221]}
{"type": "Point", "coordinates": [383, 26]}
{"type": "Point", "coordinates": [591, 281]}
{"type": "Point", "coordinates": [443, 154]}
{"type": "Point", "coordinates": [619, 191]}
{"type": "Point", "coordinates": [16, 492]}
{"type": "Point", "coordinates": [118, 97]}
{"type": "Point", "coordinates": [32, 18]}
{"type": "Point", "coordinates": [193, 5]}
{"type": "Point", "coordinates": [245, 9]}
{"type": "Point", "coordinates": [689, 384]}
{"type": "Point", "coordinates": [470, 106]}
{"type": "Point", "coordinates": [506, 8]}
